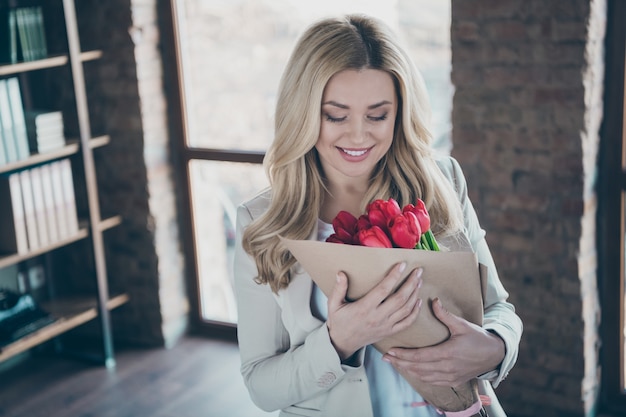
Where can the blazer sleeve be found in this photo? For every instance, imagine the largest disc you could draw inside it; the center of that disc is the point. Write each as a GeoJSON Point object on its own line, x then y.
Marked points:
{"type": "Point", "coordinates": [277, 373]}
{"type": "Point", "coordinates": [500, 316]}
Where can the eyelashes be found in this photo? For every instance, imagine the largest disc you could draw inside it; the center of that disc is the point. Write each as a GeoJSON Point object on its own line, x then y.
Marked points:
{"type": "Point", "coordinates": [335, 119]}
{"type": "Point", "coordinates": [344, 118]}
{"type": "Point", "coordinates": [378, 118]}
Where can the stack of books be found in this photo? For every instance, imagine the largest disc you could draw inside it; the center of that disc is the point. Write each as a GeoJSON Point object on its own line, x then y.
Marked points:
{"type": "Point", "coordinates": [45, 130]}
{"type": "Point", "coordinates": [25, 133]}
{"type": "Point", "coordinates": [41, 207]}
{"type": "Point", "coordinates": [22, 34]}
{"type": "Point", "coordinates": [13, 135]}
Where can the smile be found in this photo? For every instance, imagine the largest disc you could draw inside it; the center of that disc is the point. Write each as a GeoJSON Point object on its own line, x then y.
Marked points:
{"type": "Point", "coordinates": [354, 152]}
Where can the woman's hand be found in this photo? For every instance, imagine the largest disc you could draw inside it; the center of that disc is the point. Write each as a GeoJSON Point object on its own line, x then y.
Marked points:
{"type": "Point", "coordinates": [380, 313]}
{"type": "Point", "coordinates": [470, 351]}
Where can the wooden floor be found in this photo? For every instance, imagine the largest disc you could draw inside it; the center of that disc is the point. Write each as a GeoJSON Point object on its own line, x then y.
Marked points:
{"type": "Point", "coordinates": [199, 377]}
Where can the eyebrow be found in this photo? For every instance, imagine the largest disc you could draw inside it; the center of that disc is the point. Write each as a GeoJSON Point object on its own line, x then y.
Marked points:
{"type": "Point", "coordinates": [343, 106]}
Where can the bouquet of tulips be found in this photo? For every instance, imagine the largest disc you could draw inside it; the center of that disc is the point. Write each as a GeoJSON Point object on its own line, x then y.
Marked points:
{"type": "Point", "coordinates": [370, 245]}
{"type": "Point", "coordinates": [385, 225]}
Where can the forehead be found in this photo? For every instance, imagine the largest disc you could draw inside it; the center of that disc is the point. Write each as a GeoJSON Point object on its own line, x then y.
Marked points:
{"type": "Point", "coordinates": [366, 85]}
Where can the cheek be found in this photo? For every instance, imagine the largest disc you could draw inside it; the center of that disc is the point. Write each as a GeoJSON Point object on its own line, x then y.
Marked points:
{"type": "Point", "coordinates": [385, 131]}
{"type": "Point", "coordinates": [323, 138]}
{"type": "Point", "coordinates": [328, 132]}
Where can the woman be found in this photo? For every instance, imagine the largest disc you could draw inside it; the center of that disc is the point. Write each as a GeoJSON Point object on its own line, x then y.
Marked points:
{"type": "Point", "coordinates": [351, 127]}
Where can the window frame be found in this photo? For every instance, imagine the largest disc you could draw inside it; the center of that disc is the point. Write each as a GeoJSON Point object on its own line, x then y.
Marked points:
{"type": "Point", "coordinates": [182, 155]}
{"type": "Point", "coordinates": [611, 192]}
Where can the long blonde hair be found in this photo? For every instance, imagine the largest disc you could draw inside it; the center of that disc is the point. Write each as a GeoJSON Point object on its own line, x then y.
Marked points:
{"type": "Point", "coordinates": [407, 172]}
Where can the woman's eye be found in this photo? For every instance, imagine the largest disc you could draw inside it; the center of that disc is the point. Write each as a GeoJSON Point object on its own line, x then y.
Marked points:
{"type": "Point", "coordinates": [378, 118]}
{"type": "Point", "coordinates": [335, 119]}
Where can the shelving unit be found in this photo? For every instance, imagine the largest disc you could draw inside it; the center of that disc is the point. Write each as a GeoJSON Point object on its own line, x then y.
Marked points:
{"type": "Point", "coordinates": [70, 310]}
{"type": "Point", "coordinates": [70, 313]}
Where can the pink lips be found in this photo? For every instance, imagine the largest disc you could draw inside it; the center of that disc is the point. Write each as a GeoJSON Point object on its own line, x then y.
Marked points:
{"type": "Point", "coordinates": [354, 155]}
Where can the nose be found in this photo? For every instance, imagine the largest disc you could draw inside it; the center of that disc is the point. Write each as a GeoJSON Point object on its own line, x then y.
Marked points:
{"type": "Point", "coordinates": [358, 132]}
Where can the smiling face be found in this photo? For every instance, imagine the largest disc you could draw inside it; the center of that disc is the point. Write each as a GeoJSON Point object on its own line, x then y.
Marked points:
{"type": "Point", "coordinates": [357, 127]}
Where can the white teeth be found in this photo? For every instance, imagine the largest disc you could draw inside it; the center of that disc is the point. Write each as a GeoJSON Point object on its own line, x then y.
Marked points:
{"type": "Point", "coordinates": [354, 153]}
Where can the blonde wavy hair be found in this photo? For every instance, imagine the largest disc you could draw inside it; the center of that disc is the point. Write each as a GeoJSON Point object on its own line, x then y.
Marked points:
{"type": "Point", "coordinates": [407, 172]}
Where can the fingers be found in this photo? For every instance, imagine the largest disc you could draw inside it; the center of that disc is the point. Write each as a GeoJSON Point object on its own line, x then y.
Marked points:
{"type": "Point", "coordinates": [338, 296]}
{"type": "Point", "coordinates": [444, 373]}
{"type": "Point", "coordinates": [412, 308]}
{"type": "Point", "coordinates": [429, 358]}
{"type": "Point", "coordinates": [405, 297]}
{"type": "Point", "coordinates": [388, 284]}
{"type": "Point", "coordinates": [455, 324]}
{"type": "Point", "coordinates": [440, 371]}
{"type": "Point", "coordinates": [369, 319]}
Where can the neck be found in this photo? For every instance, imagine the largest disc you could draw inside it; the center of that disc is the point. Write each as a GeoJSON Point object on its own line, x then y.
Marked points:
{"type": "Point", "coordinates": [346, 197]}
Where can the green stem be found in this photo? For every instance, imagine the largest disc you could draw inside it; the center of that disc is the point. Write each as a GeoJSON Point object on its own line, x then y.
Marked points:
{"type": "Point", "coordinates": [432, 242]}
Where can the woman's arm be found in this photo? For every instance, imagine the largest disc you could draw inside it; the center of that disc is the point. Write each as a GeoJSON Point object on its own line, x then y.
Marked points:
{"type": "Point", "coordinates": [500, 316]}
{"type": "Point", "coordinates": [276, 373]}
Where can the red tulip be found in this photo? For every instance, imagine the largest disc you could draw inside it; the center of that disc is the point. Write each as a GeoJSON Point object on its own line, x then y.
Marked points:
{"type": "Point", "coordinates": [405, 230]}
{"type": "Point", "coordinates": [334, 239]}
{"type": "Point", "coordinates": [422, 214]}
{"type": "Point", "coordinates": [363, 223]}
{"type": "Point", "coordinates": [374, 237]}
{"type": "Point", "coordinates": [380, 212]}
{"type": "Point", "coordinates": [344, 225]}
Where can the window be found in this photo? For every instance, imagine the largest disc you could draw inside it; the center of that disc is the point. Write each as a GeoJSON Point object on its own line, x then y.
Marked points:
{"type": "Point", "coordinates": [229, 59]}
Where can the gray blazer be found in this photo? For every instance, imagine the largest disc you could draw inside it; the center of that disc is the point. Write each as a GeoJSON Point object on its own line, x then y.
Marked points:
{"type": "Point", "coordinates": [287, 360]}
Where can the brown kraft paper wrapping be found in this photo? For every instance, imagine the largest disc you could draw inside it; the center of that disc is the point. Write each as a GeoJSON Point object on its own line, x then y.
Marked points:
{"type": "Point", "coordinates": [456, 278]}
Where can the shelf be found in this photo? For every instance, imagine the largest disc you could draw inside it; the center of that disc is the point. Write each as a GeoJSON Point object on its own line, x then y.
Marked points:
{"type": "Point", "coordinates": [51, 62]}
{"type": "Point", "coordinates": [12, 259]}
{"type": "Point", "coordinates": [38, 158]}
{"type": "Point", "coordinates": [90, 55]}
{"type": "Point", "coordinates": [70, 313]}
{"type": "Point", "coordinates": [110, 223]}
{"type": "Point", "coordinates": [69, 149]}
{"type": "Point", "coordinates": [95, 142]}
{"type": "Point", "coordinates": [55, 61]}
{"type": "Point", "coordinates": [99, 141]}
{"type": "Point", "coordinates": [105, 224]}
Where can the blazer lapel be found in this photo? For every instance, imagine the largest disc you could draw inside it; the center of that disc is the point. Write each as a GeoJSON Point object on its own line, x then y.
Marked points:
{"type": "Point", "coordinates": [297, 313]}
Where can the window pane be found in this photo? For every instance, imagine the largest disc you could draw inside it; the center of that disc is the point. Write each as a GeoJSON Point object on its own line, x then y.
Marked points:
{"type": "Point", "coordinates": [233, 53]}
{"type": "Point", "coordinates": [217, 188]}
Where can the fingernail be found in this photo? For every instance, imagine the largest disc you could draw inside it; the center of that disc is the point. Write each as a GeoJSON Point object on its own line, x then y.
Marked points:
{"type": "Point", "coordinates": [338, 278]}
{"type": "Point", "coordinates": [419, 272]}
{"type": "Point", "coordinates": [419, 283]}
{"type": "Point", "coordinates": [402, 267]}
{"type": "Point", "coordinates": [419, 303]}
{"type": "Point", "coordinates": [438, 301]}
{"type": "Point", "coordinates": [386, 359]}
{"type": "Point", "coordinates": [391, 353]}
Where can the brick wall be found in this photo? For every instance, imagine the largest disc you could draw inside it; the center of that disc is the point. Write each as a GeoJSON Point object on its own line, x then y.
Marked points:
{"type": "Point", "coordinates": [135, 175]}
{"type": "Point", "coordinates": [526, 113]}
